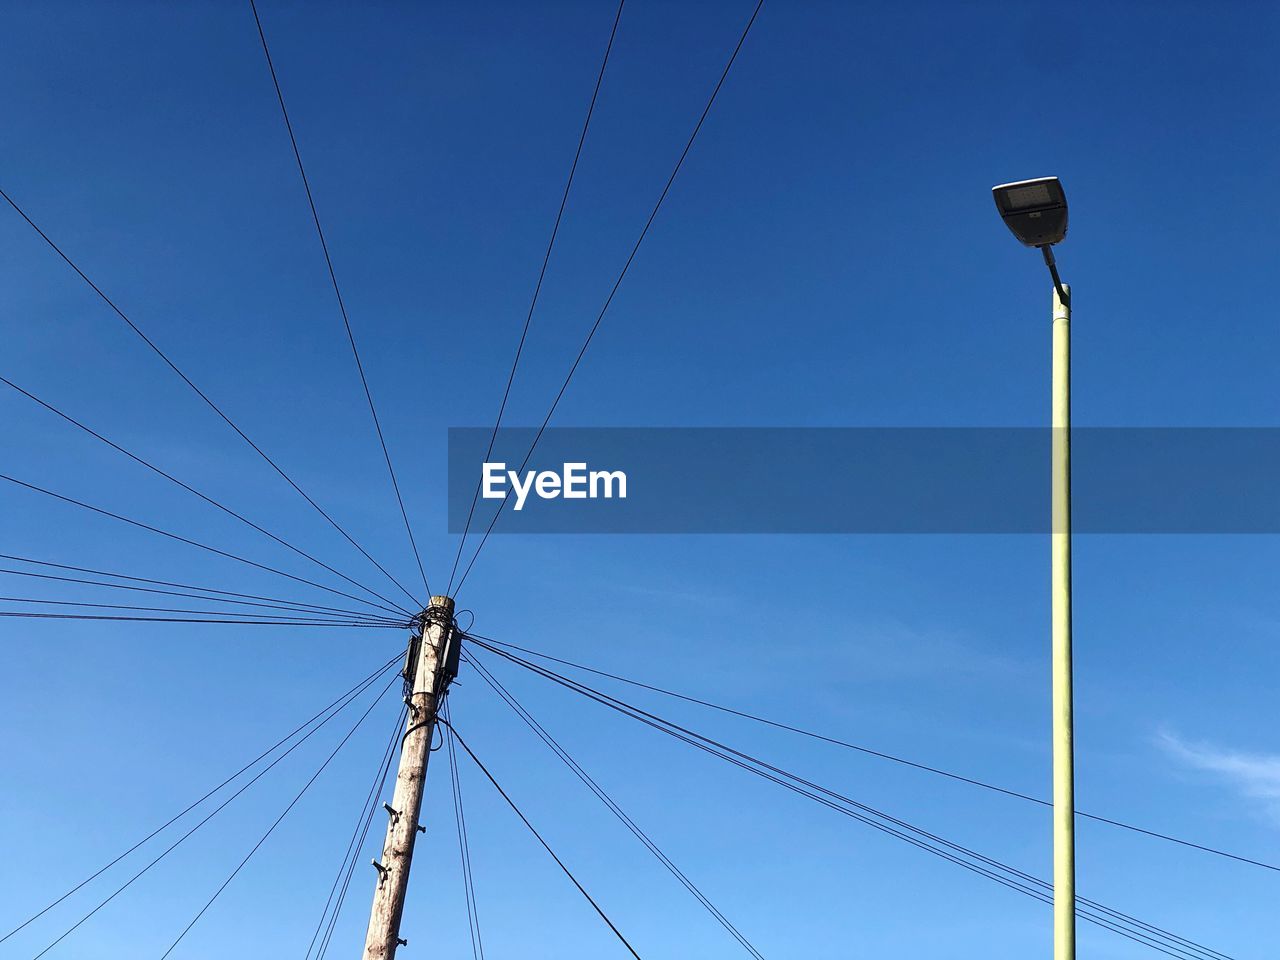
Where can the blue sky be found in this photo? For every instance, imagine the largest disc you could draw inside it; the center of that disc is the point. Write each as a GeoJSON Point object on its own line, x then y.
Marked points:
{"type": "Point", "coordinates": [828, 256]}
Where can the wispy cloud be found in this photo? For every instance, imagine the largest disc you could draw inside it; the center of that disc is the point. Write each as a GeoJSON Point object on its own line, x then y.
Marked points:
{"type": "Point", "coordinates": [1254, 775]}
{"type": "Point", "coordinates": [897, 649]}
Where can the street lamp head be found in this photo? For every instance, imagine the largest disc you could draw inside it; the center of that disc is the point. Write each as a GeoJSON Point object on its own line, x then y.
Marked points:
{"type": "Point", "coordinates": [1035, 210]}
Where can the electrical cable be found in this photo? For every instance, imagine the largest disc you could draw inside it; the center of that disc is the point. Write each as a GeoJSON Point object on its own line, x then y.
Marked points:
{"type": "Point", "coordinates": [243, 623]}
{"type": "Point", "coordinates": [880, 754]}
{"type": "Point", "coordinates": [617, 283]}
{"type": "Point", "coordinates": [353, 845]}
{"type": "Point", "coordinates": [311, 607]}
{"type": "Point", "coordinates": [181, 539]}
{"type": "Point", "coordinates": [342, 307]}
{"type": "Point", "coordinates": [121, 606]}
{"type": "Point", "coordinates": [190, 489]}
{"type": "Point", "coordinates": [275, 823]}
{"type": "Point", "coordinates": [805, 787]}
{"type": "Point", "coordinates": [955, 852]}
{"type": "Point", "coordinates": [353, 691]}
{"type": "Point", "coordinates": [801, 787]}
{"type": "Point", "coordinates": [327, 939]}
{"type": "Point", "coordinates": [329, 714]}
{"type": "Point", "coordinates": [200, 393]}
{"type": "Point", "coordinates": [464, 844]}
{"type": "Point", "coordinates": [525, 820]}
{"type": "Point", "coordinates": [346, 883]}
{"type": "Point", "coordinates": [285, 605]}
{"type": "Point", "coordinates": [529, 720]}
{"type": "Point", "coordinates": [723, 752]}
{"type": "Point", "coordinates": [537, 289]}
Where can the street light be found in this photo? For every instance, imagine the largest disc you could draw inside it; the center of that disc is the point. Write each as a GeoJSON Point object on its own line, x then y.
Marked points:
{"type": "Point", "coordinates": [1036, 212]}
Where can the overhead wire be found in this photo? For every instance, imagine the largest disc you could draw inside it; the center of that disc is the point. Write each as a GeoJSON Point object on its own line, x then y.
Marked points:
{"type": "Point", "coordinates": [337, 292]}
{"type": "Point", "coordinates": [537, 836]}
{"type": "Point", "coordinates": [537, 288]}
{"type": "Point", "coordinates": [326, 715]}
{"type": "Point", "coordinates": [260, 604]}
{"type": "Point", "coordinates": [860, 748]}
{"type": "Point", "coordinates": [357, 836]}
{"type": "Point", "coordinates": [253, 623]}
{"type": "Point", "coordinates": [190, 489]}
{"type": "Point", "coordinates": [346, 882]}
{"type": "Point", "coordinates": [617, 283]}
{"type": "Point", "coordinates": [200, 393]}
{"type": "Point", "coordinates": [277, 821]}
{"type": "Point", "coordinates": [1012, 878]}
{"type": "Point", "coordinates": [1130, 927]}
{"type": "Point", "coordinates": [464, 843]}
{"type": "Point", "coordinates": [312, 607]}
{"type": "Point", "coordinates": [523, 713]}
{"type": "Point", "coordinates": [122, 606]}
{"type": "Point", "coordinates": [173, 536]}
{"type": "Point", "coordinates": [805, 787]}
{"type": "Point", "coordinates": [351, 692]}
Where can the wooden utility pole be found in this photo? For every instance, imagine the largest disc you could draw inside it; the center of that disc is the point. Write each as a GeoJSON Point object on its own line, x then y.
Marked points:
{"type": "Point", "coordinates": [430, 667]}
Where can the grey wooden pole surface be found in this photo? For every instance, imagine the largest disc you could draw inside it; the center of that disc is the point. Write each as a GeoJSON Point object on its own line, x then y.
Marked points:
{"type": "Point", "coordinates": [392, 880]}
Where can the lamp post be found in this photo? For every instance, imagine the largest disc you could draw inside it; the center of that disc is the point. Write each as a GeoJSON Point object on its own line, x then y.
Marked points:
{"type": "Point", "coordinates": [1036, 212]}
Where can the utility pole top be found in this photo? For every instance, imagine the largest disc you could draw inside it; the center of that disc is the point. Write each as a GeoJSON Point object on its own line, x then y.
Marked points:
{"type": "Point", "coordinates": [443, 604]}
{"type": "Point", "coordinates": [439, 610]}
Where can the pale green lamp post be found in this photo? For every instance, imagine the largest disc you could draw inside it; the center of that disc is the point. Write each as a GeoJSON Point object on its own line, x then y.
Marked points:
{"type": "Point", "coordinates": [1036, 212]}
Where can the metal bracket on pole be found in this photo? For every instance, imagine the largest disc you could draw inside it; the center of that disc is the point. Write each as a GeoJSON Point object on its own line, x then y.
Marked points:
{"type": "Point", "coordinates": [1051, 262]}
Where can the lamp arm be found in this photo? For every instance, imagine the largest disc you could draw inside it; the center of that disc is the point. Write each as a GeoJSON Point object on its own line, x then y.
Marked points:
{"type": "Point", "coordinates": [1052, 264]}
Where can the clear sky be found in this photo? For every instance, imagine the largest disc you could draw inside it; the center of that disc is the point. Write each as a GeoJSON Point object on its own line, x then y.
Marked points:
{"type": "Point", "coordinates": [829, 256]}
